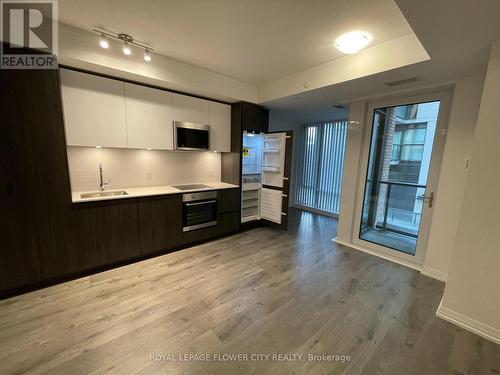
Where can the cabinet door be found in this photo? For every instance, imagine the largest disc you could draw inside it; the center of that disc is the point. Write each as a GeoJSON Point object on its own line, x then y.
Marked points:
{"type": "Point", "coordinates": [189, 109]}
{"type": "Point", "coordinates": [149, 117]}
{"type": "Point", "coordinates": [228, 200]}
{"type": "Point", "coordinates": [106, 232]}
{"type": "Point", "coordinates": [166, 222]}
{"type": "Point", "coordinates": [270, 206]}
{"type": "Point", "coordinates": [219, 118]}
{"type": "Point", "coordinates": [273, 159]}
{"type": "Point", "coordinates": [276, 173]}
{"type": "Point", "coordinates": [94, 110]}
{"type": "Point", "coordinates": [254, 117]}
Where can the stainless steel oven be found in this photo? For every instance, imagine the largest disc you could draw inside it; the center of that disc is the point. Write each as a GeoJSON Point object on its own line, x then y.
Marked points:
{"type": "Point", "coordinates": [190, 136]}
{"type": "Point", "coordinates": [199, 210]}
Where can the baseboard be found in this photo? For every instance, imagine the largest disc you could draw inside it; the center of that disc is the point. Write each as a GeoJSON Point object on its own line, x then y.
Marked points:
{"type": "Point", "coordinates": [469, 324]}
{"type": "Point", "coordinates": [383, 256]}
{"type": "Point", "coordinates": [316, 211]}
{"type": "Point", "coordinates": [434, 273]}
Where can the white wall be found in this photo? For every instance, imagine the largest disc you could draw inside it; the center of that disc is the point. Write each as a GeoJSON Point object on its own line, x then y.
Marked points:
{"type": "Point", "coordinates": [453, 175]}
{"type": "Point", "coordinates": [135, 168]}
{"type": "Point", "coordinates": [80, 49]}
{"type": "Point", "coordinates": [472, 294]}
{"type": "Point", "coordinates": [351, 171]}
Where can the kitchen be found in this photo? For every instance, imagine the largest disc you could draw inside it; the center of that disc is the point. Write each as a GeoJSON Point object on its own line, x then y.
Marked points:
{"type": "Point", "coordinates": [145, 175]}
{"type": "Point", "coordinates": [190, 197]}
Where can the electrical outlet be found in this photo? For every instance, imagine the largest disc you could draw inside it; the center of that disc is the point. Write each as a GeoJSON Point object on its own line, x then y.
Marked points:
{"type": "Point", "coordinates": [149, 176]}
{"type": "Point", "coordinates": [211, 173]}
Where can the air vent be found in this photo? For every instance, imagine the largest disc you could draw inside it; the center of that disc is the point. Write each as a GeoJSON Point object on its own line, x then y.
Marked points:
{"type": "Point", "coordinates": [338, 106]}
{"type": "Point", "coordinates": [402, 82]}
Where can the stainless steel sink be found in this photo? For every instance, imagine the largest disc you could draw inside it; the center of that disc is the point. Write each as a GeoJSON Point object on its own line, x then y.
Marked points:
{"type": "Point", "coordinates": [104, 194]}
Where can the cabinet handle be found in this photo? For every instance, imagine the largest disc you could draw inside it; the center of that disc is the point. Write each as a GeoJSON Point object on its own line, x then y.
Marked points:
{"type": "Point", "coordinates": [198, 203]}
{"type": "Point", "coordinates": [283, 214]}
{"type": "Point", "coordinates": [285, 178]}
{"type": "Point", "coordinates": [284, 195]}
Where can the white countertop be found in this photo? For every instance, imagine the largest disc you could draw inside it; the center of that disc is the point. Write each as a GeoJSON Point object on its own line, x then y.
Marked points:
{"type": "Point", "coordinates": [148, 191]}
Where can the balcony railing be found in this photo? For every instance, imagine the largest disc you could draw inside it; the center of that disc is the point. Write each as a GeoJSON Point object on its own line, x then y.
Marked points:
{"type": "Point", "coordinates": [397, 219]}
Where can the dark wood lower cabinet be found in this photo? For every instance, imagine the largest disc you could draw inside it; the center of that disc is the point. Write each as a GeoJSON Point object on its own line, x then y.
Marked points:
{"type": "Point", "coordinates": [105, 232]}
{"type": "Point", "coordinates": [228, 200]}
{"type": "Point", "coordinates": [160, 223]}
{"type": "Point", "coordinates": [228, 223]}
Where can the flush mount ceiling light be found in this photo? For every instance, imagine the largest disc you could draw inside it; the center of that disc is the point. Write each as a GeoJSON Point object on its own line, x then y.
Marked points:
{"type": "Point", "coordinates": [353, 42]}
{"type": "Point", "coordinates": [127, 40]}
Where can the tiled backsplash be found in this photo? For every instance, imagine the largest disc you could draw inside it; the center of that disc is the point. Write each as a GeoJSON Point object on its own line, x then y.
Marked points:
{"type": "Point", "coordinates": [135, 168]}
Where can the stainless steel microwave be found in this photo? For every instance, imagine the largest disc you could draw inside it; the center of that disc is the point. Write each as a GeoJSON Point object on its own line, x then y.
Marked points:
{"type": "Point", "coordinates": [190, 136]}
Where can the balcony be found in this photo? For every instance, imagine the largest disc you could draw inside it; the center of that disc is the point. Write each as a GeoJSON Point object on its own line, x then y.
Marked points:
{"type": "Point", "coordinates": [392, 217]}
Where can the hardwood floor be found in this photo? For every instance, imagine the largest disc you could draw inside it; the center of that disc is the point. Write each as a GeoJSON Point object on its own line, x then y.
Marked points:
{"type": "Point", "coordinates": [262, 292]}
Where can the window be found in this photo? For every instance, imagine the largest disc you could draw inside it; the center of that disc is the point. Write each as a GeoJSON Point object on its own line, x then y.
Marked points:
{"type": "Point", "coordinates": [408, 144]}
{"type": "Point", "coordinates": [321, 161]}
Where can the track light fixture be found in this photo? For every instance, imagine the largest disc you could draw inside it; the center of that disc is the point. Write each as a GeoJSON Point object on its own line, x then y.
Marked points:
{"type": "Point", "coordinates": [127, 40]}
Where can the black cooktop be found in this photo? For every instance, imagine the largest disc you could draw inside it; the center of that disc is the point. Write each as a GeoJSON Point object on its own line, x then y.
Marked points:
{"type": "Point", "coordinates": [191, 187]}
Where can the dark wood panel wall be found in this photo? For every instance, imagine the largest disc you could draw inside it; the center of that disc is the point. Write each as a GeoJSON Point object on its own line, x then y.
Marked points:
{"type": "Point", "coordinates": [45, 238]}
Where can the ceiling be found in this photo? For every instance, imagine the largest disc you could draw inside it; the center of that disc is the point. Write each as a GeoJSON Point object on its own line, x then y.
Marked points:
{"type": "Point", "coordinates": [255, 41]}
{"type": "Point", "coordinates": [457, 35]}
{"type": "Point", "coordinates": [261, 41]}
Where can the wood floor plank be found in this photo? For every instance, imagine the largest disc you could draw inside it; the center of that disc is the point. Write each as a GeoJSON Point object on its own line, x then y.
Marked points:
{"type": "Point", "coordinates": [259, 292]}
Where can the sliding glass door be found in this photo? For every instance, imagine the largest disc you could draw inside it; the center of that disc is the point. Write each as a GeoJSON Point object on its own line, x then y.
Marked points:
{"type": "Point", "coordinates": [321, 161]}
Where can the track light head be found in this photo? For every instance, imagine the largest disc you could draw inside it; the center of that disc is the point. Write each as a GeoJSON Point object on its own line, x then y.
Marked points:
{"type": "Point", "coordinates": [104, 42]}
{"type": "Point", "coordinates": [126, 48]}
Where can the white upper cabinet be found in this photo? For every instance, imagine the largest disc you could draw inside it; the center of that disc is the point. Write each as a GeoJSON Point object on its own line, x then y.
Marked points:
{"type": "Point", "coordinates": [219, 119]}
{"type": "Point", "coordinates": [189, 109]}
{"type": "Point", "coordinates": [149, 117]}
{"type": "Point", "coordinates": [94, 110]}
{"type": "Point", "coordinates": [106, 112]}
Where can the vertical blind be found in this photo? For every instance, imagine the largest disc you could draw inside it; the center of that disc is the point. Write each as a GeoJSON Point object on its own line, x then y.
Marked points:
{"type": "Point", "coordinates": [321, 165]}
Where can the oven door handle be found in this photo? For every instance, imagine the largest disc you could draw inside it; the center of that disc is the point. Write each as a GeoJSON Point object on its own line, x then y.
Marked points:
{"type": "Point", "coordinates": [198, 203]}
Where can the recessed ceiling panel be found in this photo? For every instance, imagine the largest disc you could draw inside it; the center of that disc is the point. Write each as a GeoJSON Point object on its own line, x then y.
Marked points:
{"type": "Point", "coordinates": [255, 41]}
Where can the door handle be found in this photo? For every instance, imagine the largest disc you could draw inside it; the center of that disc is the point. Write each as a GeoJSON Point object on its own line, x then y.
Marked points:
{"type": "Point", "coordinates": [428, 198]}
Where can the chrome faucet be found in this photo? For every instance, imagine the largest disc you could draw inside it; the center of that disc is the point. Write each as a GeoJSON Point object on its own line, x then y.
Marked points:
{"type": "Point", "coordinates": [102, 184]}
